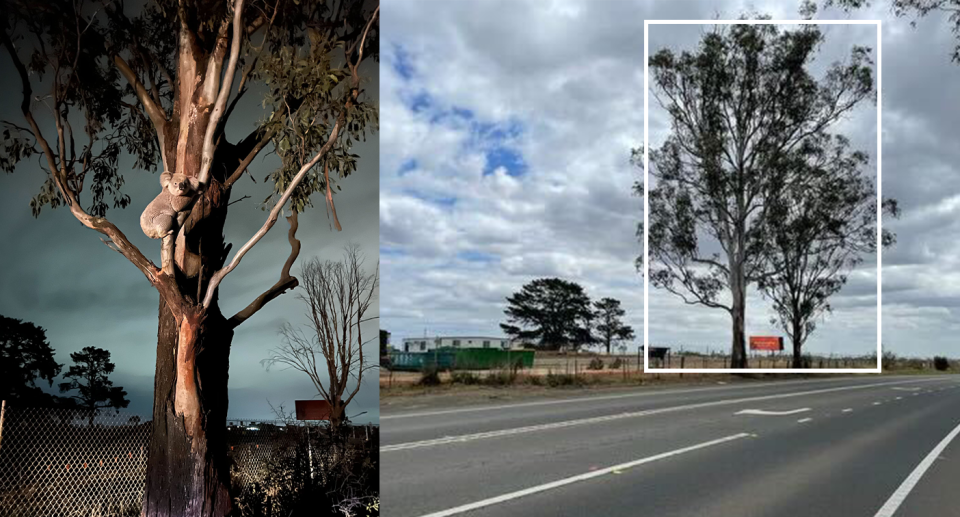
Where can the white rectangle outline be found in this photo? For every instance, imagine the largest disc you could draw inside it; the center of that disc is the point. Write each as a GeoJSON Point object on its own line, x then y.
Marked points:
{"type": "Point", "coordinates": [646, 203]}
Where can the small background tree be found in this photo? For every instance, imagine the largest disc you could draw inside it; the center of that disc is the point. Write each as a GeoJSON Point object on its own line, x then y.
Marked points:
{"type": "Point", "coordinates": [26, 357]}
{"type": "Point", "coordinates": [554, 313]}
{"type": "Point", "coordinates": [338, 296]}
{"type": "Point", "coordinates": [89, 375]}
{"type": "Point", "coordinates": [608, 319]}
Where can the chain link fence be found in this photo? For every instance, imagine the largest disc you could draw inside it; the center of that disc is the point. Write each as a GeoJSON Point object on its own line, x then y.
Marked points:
{"type": "Point", "coordinates": [65, 462]}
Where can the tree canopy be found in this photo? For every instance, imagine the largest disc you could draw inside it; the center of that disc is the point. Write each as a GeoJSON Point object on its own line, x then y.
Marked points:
{"type": "Point", "coordinates": [25, 358]}
{"type": "Point", "coordinates": [744, 109]}
{"type": "Point", "coordinates": [90, 377]}
{"type": "Point", "coordinates": [550, 313]}
{"type": "Point", "coordinates": [608, 323]}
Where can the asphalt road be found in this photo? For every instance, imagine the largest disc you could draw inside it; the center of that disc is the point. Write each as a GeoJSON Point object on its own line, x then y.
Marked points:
{"type": "Point", "coordinates": [864, 446]}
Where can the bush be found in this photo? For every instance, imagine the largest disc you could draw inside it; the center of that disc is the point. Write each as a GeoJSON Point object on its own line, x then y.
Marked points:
{"type": "Point", "coordinates": [555, 380]}
{"type": "Point", "coordinates": [501, 377]}
{"type": "Point", "coordinates": [617, 364]}
{"type": "Point", "coordinates": [339, 473]}
{"type": "Point", "coordinates": [888, 361]}
{"type": "Point", "coordinates": [941, 363]}
{"type": "Point", "coordinates": [595, 364]}
{"type": "Point", "coordinates": [430, 375]}
{"type": "Point", "coordinates": [533, 380]}
{"type": "Point", "coordinates": [468, 378]}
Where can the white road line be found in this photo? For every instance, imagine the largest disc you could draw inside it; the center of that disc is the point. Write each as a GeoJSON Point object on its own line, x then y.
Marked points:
{"type": "Point", "coordinates": [574, 400]}
{"type": "Point", "coordinates": [876, 403]}
{"type": "Point", "coordinates": [607, 418]}
{"type": "Point", "coordinates": [847, 410]}
{"type": "Point", "coordinates": [802, 420]}
{"type": "Point", "coordinates": [906, 389]}
{"type": "Point", "coordinates": [898, 398]}
{"type": "Point", "coordinates": [764, 412]}
{"type": "Point", "coordinates": [582, 477]}
{"type": "Point", "coordinates": [890, 507]}
{"type": "Point", "coordinates": [644, 393]}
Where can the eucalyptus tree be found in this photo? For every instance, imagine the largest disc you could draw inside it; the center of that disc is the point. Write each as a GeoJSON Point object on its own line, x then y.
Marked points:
{"type": "Point", "coordinates": [739, 105]}
{"type": "Point", "coordinates": [817, 232]}
{"type": "Point", "coordinates": [162, 84]}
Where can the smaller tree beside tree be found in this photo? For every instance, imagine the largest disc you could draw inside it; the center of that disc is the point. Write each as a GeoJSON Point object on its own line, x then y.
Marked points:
{"type": "Point", "coordinates": [550, 314]}
{"type": "Point", "coordinates": [339, 296]}
{"type": "Point", "coordinates": [608, 318]}
{"type": "Point", "coordinates": [90, 377]}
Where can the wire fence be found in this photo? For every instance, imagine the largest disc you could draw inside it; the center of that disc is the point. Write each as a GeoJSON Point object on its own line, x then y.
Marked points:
{"type": "Point", "coordinates": [65, 462]}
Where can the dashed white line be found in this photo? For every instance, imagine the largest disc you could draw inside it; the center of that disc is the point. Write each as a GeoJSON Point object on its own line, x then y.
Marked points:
{"type": "Point", "coordinates": [803, 420]}
{"type": "Point", "coordinates": [847, 410]}
{"type": "Point", "coordinates": [765, 412]}
{"type": "Point", "coordinates": [890, 507]}
{"type": "Point", "coordinates": [877, 403]}
{"type": "Point", "coordinates": [581, 477]}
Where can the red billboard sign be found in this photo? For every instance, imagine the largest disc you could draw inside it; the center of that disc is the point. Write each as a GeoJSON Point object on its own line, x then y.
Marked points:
{"type": "Point", "coordinates": [313, 410]}
{"type": "Point", "coordinates": [766, 343]}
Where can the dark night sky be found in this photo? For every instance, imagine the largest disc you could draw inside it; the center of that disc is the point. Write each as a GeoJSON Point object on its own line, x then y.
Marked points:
{"type": "Point", "coordinates": [57, 274]}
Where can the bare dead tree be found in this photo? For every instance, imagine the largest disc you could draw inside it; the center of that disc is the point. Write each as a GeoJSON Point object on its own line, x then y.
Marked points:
{"type": "Point", "coordinates": [338, 295]}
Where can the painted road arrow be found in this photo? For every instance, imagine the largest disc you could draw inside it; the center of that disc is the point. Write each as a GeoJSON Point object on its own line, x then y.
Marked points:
{"type": "Point", "coordinates": [771, 413]}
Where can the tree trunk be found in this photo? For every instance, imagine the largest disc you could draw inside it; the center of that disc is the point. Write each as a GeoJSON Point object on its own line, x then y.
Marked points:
{"type": "Point", "coordinates": [187, 470]}
{"type": "Point", "coordinates": [187, 473]}
{"type": "Point", "coordinates": [797, 340]}
{"type": "Point", "coordinates": [738, 354]}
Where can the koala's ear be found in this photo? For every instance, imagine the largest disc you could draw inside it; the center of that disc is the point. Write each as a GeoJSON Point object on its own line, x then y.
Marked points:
{"type": "Point", "coordinates": [165, 178]}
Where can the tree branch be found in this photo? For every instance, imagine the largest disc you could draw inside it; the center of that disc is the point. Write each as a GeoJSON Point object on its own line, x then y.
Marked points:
{"type": "Point", "coordinates": [333, 208]}
{"type": "Point", "coordinates": [208, 147]}
{"type": "Point", "coordinates": [274, 214]}
{"type": "Point", "coordinates": [155, 112]}
{"type": "Point", "coordinates": [166, 285]}
{"type": "Point", "coordinates": [286, 280]}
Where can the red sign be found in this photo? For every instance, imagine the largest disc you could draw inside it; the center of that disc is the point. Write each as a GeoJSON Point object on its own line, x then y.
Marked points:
{"type": "Point", "coordinates": [313, 410]}
{"type": "Point", "coordinates": [766, 343]}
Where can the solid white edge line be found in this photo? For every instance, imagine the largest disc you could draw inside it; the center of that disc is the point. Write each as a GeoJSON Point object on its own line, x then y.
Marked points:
{"type": "Point", "coordinates": [890, 507]}
{"type": "Point", "coordinates": [581, 477]}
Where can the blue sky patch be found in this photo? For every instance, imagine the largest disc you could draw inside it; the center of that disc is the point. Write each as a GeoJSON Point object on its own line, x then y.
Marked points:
{"type": "Point", "coordinates": [505, 157]}
{"type": "Point", "coordinates": [401, 63]}
{"type": "Point", "coordinates": [442, 201]}
{"type": "Point", "coordinates": [407, 166]}
{"type": "Point", "coordinates": [477, 256]}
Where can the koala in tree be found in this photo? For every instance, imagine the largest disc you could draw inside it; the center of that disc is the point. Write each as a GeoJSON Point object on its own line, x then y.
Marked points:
{"type": "Point", "coordinates": [167, 212]}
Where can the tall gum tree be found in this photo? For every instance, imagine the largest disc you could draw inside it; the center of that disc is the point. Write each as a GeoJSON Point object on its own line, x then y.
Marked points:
{"type": "Point", "coordinates": [162, 85]}
{"type": "Point", "coordinates": [739, 105]}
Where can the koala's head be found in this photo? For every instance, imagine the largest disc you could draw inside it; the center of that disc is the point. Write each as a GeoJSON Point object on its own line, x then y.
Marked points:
{"type": "Point", "coordinates": [179, 185]}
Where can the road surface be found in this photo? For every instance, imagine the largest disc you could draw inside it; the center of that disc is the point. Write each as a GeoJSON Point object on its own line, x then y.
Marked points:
{"type": "Point", "coordinates": [838, 447]}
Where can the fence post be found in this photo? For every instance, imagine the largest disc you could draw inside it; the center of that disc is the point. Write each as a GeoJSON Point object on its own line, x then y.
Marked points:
{"type": "Point", "coordinates": [309, 451]}
{"type": "Point", "coordinates": [3, 413]}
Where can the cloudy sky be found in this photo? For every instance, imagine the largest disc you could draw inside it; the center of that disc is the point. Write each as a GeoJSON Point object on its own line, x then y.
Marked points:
{"type": "Point", "coordinates": [58, 275]}
{"type": "Point", "coordinates": [507, 130]}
